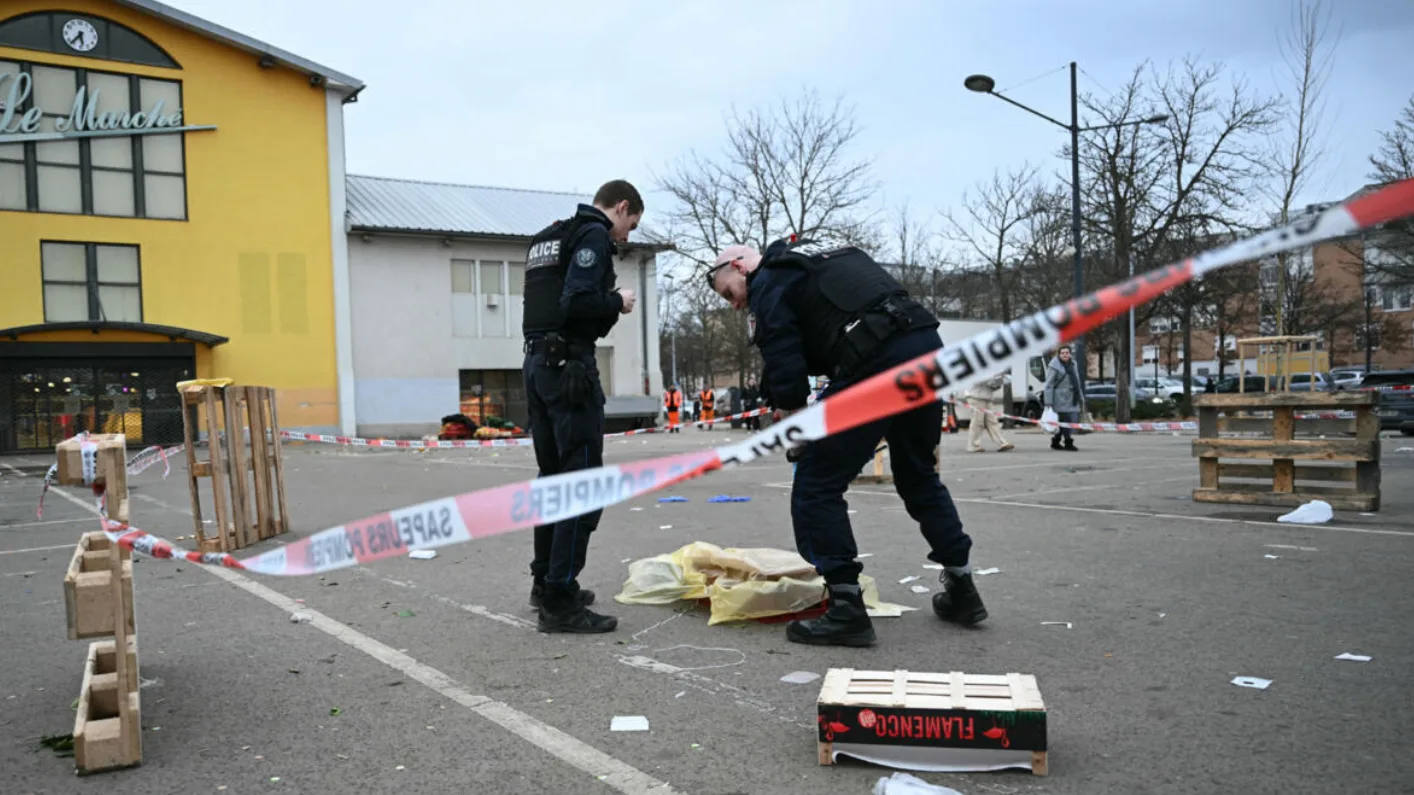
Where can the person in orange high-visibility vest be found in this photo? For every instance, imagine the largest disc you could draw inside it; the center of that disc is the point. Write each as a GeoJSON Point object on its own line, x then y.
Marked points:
{"type": "Point", "coordinates": [709, 403]}
{"type": "Point", "coordinates": [672, 401]}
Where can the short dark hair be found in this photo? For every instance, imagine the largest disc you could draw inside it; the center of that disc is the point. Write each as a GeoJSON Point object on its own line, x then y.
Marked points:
{"type": "Point", "coordinates": [618, 190]}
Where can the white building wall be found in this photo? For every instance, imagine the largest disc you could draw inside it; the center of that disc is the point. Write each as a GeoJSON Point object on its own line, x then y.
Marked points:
{"type": "Point", "coordinates": [425, 308]}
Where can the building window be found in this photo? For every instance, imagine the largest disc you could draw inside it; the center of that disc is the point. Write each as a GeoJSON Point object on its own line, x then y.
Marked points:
{"type": "Point", "coordinates": [80, 35]}
{"type": "Point", "coordinates": [494, 397]}
{"type": "Point", "coordinates": [132, 176]}
{"type": "Point", "coordinates": [463, 280]}
{"type": "Point", "coordinates": [1395, 299]}
{"type": "Point", "coordinates": [91, 281]}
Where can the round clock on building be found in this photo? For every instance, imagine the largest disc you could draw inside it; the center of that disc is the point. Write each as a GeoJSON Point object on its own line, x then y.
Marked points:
{"type": "Point", "coordinates": [80, 35]}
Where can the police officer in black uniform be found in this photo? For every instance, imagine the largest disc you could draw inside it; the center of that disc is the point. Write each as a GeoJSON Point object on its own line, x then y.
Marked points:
{"type": "Point", "coordinates": [570, 302]}
{"type": "Point", "coordinates": [826, 309]}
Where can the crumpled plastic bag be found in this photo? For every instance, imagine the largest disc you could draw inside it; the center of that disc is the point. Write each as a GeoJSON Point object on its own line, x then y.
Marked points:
{"type": "Point", "coordinates": [905, 784]}
{"type": "Point", "coordinates": [1313, 512]}
{"type": "Point", "coordinates": [741, 583]}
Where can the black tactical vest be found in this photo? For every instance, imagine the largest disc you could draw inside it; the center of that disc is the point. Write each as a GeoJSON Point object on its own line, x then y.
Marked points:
{"type": "Point", "coordinates": [846, 288]}
{"type": "Point", "coordinates": [546, 262]}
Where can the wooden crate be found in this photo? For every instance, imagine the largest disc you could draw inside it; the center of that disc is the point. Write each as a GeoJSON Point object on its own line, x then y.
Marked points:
{"type": "Point", "coordinates": [247, 483]}
{"type": "Point", "coordinates": [108, 722]}
{"type": "Point", "coordinates": [109, 468]}
{"type": "Point", "coordinates": [88, 588]}
{"type": "Point", "coordinates": [1349, 454]}
{"type": "Point", "coordinates": [964, 721]}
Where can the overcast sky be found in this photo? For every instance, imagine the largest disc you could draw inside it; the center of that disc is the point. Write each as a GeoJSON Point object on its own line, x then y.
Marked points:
{"type": "Point", "coordinates": [558, 95]}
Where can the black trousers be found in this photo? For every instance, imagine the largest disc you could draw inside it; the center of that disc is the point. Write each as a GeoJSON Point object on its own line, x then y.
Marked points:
{"type": "Point", "coordinates": [566, 438]}
{"type": "Point", "coordinates": [818, 509]}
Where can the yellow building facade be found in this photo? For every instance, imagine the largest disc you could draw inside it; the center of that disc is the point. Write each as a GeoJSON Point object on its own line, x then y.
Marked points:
{"type": "Point", "coordinates": [171, 207]}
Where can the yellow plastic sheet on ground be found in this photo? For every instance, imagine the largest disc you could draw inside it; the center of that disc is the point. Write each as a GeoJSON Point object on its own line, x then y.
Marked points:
{"type": "Point", "coordinates": [742, 584]}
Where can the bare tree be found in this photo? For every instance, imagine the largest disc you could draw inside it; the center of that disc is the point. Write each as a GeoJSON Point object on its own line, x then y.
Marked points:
{"type": "Point", "coordinates": [992, 231]}
{"type": "Point", "coordinates": [1297, 150]}
{"type": "Point", "coordinates": [912, 252]}
{"type": "Point", "coordinates": [1045, 278]}
{"type": "Point", "coordinates": [1391, 249]}
{"type": "Point", "coordinates": [786, 169]}
{"type": "Point", "coordinates": [1151, 190]}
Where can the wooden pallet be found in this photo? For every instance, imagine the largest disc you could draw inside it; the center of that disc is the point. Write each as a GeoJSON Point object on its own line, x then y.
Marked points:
{"type": "Point", "coordinates": [88, 589]}
{"type": "Point", "coordinates": [238, 474]}
{"type": "Point", "coordinates": [106, 469]}
{"type": "Point", "coordinates": [970, 721]}
{"type": "Point", "coordinates": [1351, 458]}
{"type": "Point", "coordinates": [108, 723]}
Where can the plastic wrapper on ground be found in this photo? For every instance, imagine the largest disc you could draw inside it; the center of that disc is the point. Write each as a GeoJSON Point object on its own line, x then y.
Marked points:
{"type": "Point", "coordinates": [741, 584]}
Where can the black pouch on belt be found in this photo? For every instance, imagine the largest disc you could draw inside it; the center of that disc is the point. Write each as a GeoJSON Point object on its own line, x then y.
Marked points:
{"type": "Point", "coordinates": [575, 385]}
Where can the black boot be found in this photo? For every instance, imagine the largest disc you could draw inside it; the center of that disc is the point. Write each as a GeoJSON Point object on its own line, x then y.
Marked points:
{"type": "Point", "coordinates": [561, 611]}
{"type": "Point", "coordinates": [845, 623]}
{"type": "Point", "coordinates": [537, 593]}
{"type": "Point", "coordinates": [1070, 444]}
{"type": "Point", "coordinates": [1055, 442]}
{"type": "Point", "coordinates": [959, 602]}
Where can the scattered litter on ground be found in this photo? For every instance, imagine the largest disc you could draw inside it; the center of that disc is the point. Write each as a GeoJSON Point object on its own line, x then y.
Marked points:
{"type": "Point", "coordinates": [725, 498]}
{"type": "Point", "coordinates": [1065, 624]}
{"type": "Point", "coordinates": [906, 784]}
{"type": "Point", "coordinates": [672, 499]}
{"type": "Point", "coordinates": [628, 723]}
{"type": "Point", "coordinates": [680, 694]}
{"type": "Point", "coordinates": [1354, 657]}
{"type": "Point", "coordinates": [1272, 557]}
{"type": "Point", "coordinates": [665, 527]}
{"type": "Point", "coordinates": [300, 618]}
{"type": "Point", "coordinates": [1313, 512]}
{"type": "Point", "coordinates": [985, 572]}
{"type": "Point", "coordinates": [800, 678]}
{"type": "Point", "coordinates": [910, 578]}
{"type": "Point", "coordinates": [1256, 683]}
{"type": "Point", "coordinates": [933, 566]}
{"type": "Point", "coordinates": [60, 744]}
{"type": "Point", "coordinates": [626, 560]}
{"type": "Point", "coordinates": [865, 555]}
{"type": "Point", "coordinates": [423, 554]}
{"type": "Point", "coordinates": [635, 509]}
{"type": "Point", "coordinates": [919, 588]}
{"type": "Point", "coordinates": [334, 710]}
{"type": "Point", "coordinates": [1288, 546]}
{"type": "Point", "coordinates": [406, 614]}
{"type": "Point", "coordinates": [154, 682]}
{"type": "Point", "coordinates": [851, 510]}
{"type": "Point", "coordinates": [1405, 450]}
{"type": "Point", "coordinates": [1367, 514]}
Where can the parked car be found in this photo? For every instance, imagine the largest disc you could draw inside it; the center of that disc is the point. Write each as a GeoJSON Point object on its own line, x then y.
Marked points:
{"type": "Point", "coordinates": [1253, 383]}
{"type": "Point", "coordinates": [1347, 377]}
{"type": "Point", "coordinates": [1396, 388]}
{"type": "Point", "coordinates": [1162, 387]}
{"type": "Point", "coordinates": [1310, 382]}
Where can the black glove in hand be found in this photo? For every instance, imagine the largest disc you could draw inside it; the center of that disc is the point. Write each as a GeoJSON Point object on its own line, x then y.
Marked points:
{"type": "Point", "coordinates": [574, 384]}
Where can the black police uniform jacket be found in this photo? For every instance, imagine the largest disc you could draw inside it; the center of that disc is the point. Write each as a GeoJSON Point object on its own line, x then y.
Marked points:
{"type": "Point", "coordinates": [803, 297]}
{"type": "Point", "coordinates": [569, 279]}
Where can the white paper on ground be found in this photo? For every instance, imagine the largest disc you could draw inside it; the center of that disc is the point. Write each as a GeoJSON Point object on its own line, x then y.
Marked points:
{"type": "Point", "coordinates": [865, 555]}
{"type": "Point", "coordinates": [1254, 682]}
{"type": "Point", "coordinates": [1272, 557]}
{"type": "Point", "coordinates": [1313, 512]}
{"type": "Point", "coordinates": [894, 611]}
{"type": "Point", "coordinates": [905, 784]}
{"type": "Point", "coordinates": [1065, 624]}
{"type": "Point", "coordinates": [628, 723]}
{"type": "Point", "coordinates": [423, 554]}
{"type": "Point", "coordinates": [910, 578]}
{"type": "Point", "coordinates": [1354, 657]}
{"type": "Point", "coordinates": [800, 678]}
{"type": "Point", "coordinates": [985, 572]}
{"type": "Point", "coordinates": [919, 588]}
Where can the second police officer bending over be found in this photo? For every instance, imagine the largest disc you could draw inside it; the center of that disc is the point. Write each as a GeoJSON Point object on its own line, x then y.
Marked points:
{"type": "Point", "coordinates": [571, 302]}
{"type": "Point", "coordinates": [822, 309]}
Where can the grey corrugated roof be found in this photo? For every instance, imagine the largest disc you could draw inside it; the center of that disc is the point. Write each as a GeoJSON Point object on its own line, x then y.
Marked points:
{"type": "Point", "coordinates": [404, 205]}
{"type": "Point", "coordinates": [182, 19]}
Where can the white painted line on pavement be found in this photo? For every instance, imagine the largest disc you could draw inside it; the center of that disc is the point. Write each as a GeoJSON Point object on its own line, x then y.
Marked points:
{"type": "Point", "coordinates": [35, 549]}
{"type": "Point", "coordinates": [1069, 489]}
{"type": "Point", "coordinates": [14, 469]}
{"type": "Point", "coordinates": [619, 775]}
{"type": "Point", "coordinates": [1191, 518]}
{"type": "Point", "coordinates": [24, 525]}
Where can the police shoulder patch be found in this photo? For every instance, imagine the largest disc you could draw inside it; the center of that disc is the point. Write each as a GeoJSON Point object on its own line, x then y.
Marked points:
{"type": "Point", "coordinates": [585, 258]}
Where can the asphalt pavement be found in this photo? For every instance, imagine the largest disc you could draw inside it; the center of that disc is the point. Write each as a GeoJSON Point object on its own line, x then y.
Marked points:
{"type": "Point", "coordinates": [427, 676]}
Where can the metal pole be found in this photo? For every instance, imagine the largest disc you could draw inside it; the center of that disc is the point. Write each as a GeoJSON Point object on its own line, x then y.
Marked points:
{"type": "Point", "coordinates": [1130, 364]}
{"type": "Point", "coordinates": [1081, 363]}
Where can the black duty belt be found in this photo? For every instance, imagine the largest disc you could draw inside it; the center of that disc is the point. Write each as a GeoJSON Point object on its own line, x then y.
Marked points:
{"type": "Point", "coordinates": [553, 346]}
{"type": "Point", "coordinates": [867, 333]}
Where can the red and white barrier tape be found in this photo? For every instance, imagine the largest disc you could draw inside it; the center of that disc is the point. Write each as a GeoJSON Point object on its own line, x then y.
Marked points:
{"type": "Point", "coordinates": [930, 377]}
{"type": "Point", "coordinates": [1125, 427]}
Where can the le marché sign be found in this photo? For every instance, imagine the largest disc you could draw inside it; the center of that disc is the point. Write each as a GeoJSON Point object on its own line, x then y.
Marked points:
{"type": "Point", "coordinates": [84, 119]}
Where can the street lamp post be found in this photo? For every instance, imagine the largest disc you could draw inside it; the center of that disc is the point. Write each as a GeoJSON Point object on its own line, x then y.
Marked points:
{"type": "Point", "coordinates": [983, 84]}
